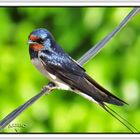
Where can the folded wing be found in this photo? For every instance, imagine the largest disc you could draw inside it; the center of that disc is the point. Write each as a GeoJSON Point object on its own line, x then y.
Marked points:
{"type": "Point", "coordinates": [75, 76]}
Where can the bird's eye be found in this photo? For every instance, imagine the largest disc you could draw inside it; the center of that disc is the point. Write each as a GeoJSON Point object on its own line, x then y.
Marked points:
{"type": "Point", "coordinates": [36, 39]}
{"type": "Point", "coordinates": [40, 41]}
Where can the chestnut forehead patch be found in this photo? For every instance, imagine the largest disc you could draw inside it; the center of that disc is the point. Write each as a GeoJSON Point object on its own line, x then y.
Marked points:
{"type": "Point", "coordinates": [33, 38]}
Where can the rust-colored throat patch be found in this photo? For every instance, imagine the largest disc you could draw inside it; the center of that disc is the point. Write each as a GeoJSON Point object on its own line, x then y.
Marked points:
{"type": "Point", "coordinates": [36, 46]}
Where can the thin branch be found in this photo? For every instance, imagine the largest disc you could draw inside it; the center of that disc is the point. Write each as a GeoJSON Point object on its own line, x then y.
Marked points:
{"type": "Point", "coordinates": [10, 117]}
{"type": "Point", "coordinates": [87, 56]}
{"type": "Point", "coordinates": [99, 46]}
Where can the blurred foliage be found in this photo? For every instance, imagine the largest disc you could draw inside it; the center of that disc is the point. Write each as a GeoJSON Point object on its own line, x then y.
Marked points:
{"type": "Point", "coordinates": [116, 67]}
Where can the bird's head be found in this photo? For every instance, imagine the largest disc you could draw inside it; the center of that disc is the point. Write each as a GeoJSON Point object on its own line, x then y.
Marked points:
{"type": "Point", "coordinates": [40, 39]}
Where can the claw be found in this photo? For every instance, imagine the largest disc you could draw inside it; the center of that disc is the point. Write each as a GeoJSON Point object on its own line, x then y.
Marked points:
{"type": "Point", "coordinates": [50, 86]}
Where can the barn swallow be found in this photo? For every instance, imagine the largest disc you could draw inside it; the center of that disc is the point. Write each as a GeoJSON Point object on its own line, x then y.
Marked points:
{"type": "Point", "coordinates": [53, 62]}
{"type": "Point", "coordinates": [65, 73]}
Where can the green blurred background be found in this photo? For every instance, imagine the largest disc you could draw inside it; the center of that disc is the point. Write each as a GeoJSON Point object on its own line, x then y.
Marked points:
{"type": "Point", "coordinates": [116, 67]}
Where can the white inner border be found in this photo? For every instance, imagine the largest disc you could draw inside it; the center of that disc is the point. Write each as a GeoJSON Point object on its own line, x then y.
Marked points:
{"type": "Point", "coordinates": [69, 3]}
{"type": "Point", "coordinates": [70, 136]}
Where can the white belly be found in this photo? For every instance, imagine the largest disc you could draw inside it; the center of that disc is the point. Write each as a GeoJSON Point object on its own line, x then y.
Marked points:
{"type": "Point", "coordinates": [57, 81]}
{"type": "Point", "coordinates": [52, 77]}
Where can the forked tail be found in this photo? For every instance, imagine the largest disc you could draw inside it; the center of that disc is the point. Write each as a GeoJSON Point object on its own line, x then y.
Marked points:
{"type": "Point", "coordinates": [123, 121]}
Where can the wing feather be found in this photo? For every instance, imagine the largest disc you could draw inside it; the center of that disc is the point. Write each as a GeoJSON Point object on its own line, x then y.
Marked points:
{"type": "Point", "coordinates": [75, 76]}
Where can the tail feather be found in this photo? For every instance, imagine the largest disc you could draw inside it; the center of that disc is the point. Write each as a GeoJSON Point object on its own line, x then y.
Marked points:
{"type": "Point", "coordinates": [123, 121]}
{"type": "Point", "coordinates": [107, 96]}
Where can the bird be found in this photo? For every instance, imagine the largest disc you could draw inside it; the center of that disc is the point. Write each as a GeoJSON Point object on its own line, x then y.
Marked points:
{"type": "Point", "coordinates": [53, 62]}
{"type": "Point", "coordinates": [61, 69]}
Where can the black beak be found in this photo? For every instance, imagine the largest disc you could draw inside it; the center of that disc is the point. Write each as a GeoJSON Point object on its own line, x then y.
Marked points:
{"type": "Point", "coordinates": [31, 42]}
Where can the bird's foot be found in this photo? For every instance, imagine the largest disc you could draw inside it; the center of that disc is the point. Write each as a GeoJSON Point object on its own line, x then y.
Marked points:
{"type": "Point", "coordinates": [50, 86]}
